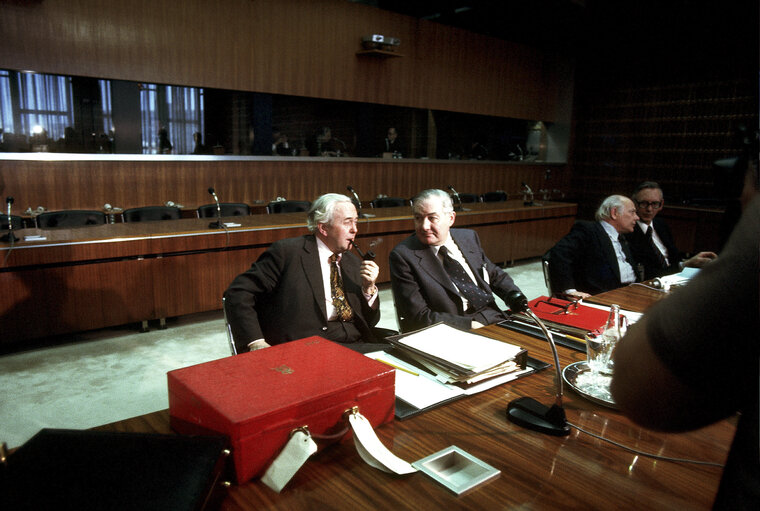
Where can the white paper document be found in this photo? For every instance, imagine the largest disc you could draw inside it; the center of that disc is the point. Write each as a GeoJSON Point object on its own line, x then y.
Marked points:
{"type": "Point", "coordinates": [469, 351]}
{"type": "Point", "coordinates": [416, 387]}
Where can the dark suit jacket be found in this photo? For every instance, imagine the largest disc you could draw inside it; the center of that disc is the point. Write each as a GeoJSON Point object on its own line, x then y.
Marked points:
{"type": "Point", "coordinates": [644, 253]}
{"type": "Point", "coordinates": [423, 292]}
{"type": "Point", "coordinates": [281, 297]}
{"type": "Point", "coordinates": [584, 260]}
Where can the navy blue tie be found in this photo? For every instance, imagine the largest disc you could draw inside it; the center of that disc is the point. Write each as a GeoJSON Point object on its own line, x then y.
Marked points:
{"type": "Point", "coordinates": [477, 297]}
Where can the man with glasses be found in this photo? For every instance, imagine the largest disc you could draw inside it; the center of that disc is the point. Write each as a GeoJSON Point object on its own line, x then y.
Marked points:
{"type": "Point", "coordinates": [651, 241]}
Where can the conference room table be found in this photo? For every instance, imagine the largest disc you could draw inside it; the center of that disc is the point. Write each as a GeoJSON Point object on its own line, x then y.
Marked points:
{"type": "Point", "coordinates": [578, 471]}
{"type": "Point", "coordinates": [77, 279]}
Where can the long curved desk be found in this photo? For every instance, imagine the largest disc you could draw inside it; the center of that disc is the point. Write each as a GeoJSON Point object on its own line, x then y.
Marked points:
{"type": "Point", "coordinates": [98, 276]}
{"type": "Point", "coordinates": [537, 471]}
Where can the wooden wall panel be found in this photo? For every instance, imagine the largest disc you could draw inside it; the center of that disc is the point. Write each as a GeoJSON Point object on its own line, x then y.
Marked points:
{"type": "Point", "coordinates": [298, 47]}
{"type": "Point", "coordinates": [91, 183]}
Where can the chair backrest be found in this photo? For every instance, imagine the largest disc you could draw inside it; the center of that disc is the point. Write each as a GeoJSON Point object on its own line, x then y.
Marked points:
{"type": "Point", "coordinates": [150, 213]}
{"type": "Point", "coordinates": [466, 198]}
{"type": "Point", "coordinates": [389, 202]}
{"type": "Point", "coordinates": [227, 209]}
{"type": "Point", "coordinates": [17, 221]}
{"type": "Point", "coordinates": [288, 206]}
{"type": "Point", "coordinates": [69, 218]}
{"type": "Point", "coordinates": [497, 196]}
{"type": "Point", "coordinates": [545, 262]}
{"type": "Point", "coordinates": [230, 338]}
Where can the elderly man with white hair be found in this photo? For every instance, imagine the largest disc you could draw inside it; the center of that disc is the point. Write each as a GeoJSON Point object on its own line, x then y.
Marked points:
{"type": "Point", "coordinates": [594, 256]}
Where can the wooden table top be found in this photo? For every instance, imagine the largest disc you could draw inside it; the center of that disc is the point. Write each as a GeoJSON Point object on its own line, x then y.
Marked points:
{"type": "Point", "coordinates": [538, 471]}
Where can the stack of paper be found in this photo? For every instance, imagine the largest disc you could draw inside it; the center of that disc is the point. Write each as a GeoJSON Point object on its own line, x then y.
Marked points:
{"type": "Point", "coordinates": [458, 357]}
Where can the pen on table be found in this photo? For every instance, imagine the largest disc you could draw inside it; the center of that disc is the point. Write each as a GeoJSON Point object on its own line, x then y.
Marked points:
{"type": "Point", "coordinates": [396, 367]}
{"type": "Point", "coordinates": [574, 338]}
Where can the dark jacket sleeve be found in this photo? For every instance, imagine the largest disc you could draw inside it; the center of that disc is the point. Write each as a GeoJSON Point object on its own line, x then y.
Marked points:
{"type": "Point", "coordinates": [563, 258]}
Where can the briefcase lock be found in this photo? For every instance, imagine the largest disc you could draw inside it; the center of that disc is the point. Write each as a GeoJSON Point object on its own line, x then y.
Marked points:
{"type": "Point", "coordinates": [351, 411]}
{"type": "Point", "coordinates": [304, 429]}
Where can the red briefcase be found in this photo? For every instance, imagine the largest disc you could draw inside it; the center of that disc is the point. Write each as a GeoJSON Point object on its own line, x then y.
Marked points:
{"type": "Point", "coordinates": [258, 398]}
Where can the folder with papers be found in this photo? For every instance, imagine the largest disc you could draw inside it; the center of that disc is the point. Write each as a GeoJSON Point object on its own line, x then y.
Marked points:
{"type": "Point", "coordinates": [439, 364]}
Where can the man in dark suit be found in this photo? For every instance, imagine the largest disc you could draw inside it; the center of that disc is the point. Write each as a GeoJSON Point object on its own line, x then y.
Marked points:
{"type": "Point", "coordinates": [651, 241]}
{"type": "Point", "coordinates": [300, 286]}
{"type": "Point", "coordinates": [441, 274]}
{"type": "Point", "coordinates": [594, 257]}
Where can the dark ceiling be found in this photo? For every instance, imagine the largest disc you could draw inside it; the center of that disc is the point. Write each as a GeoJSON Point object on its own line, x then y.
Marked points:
{"type": "Point", "coordinates": [606, 30]}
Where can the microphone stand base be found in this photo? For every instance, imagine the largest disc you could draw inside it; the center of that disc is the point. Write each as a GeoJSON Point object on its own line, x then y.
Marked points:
{"type": "Point", "coordinates": [8, 237]}
{"type": "Point", "coordinates": [528, 413]}
{"type": "Point", "coordinates": [216, 225]}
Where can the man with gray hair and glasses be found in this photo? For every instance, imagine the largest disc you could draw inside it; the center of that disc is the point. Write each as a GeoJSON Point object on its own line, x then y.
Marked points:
{"type": "Point", "coordinates": [651, 241]}
{"type": "Point", "coordinates": [309, 285]}
{"type": "Point", "coordinates": [594, 256]}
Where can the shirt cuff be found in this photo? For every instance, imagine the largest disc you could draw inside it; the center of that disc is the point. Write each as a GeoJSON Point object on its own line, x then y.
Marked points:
{"type": "Point", "coordinates": [371, 298]}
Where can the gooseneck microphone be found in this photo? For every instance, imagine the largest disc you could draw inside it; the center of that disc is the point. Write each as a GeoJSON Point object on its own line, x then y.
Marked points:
{"type": "Point", "coordinates": [358, 202]}
{"type": "Point", "coordinates": [459, 206]}
{"type": "Point", "coordinates": [526, 411]}
{"type": "Point", "coordinates": [10, 237]}
{"type": "Point", "coordinates": [218, 224]}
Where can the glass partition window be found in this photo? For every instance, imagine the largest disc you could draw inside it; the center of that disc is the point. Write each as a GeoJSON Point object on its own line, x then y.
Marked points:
{"type": "Point", "coordinates": [170, 116]}
{"type": "Point", "coordinates": [36, 104]}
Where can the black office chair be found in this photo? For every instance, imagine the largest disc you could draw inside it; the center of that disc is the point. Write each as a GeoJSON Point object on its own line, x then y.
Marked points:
{"type": "Point", "coordinates": [69, 218]}
{"type": "Point", "coordinates": [230, 337]}
{"type": "Point", "coordinates": [227, 209]}
{"type": "Point", "coordinates": [288, 206]}
{"type": "Point", "coordinates": [389, 202]}
{"type": "Point", "coordinates": [150, 214]}
{"type": "Point", "coordinates": [16, 221]}
{"type": "Point", "coordinates": [497, 196]}
{"type": "Point", "coordinates": [467, 198]}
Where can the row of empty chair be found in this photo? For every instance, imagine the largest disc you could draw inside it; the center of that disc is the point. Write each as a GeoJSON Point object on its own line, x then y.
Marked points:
{"type": "Point", "coordinates": [79, 217]}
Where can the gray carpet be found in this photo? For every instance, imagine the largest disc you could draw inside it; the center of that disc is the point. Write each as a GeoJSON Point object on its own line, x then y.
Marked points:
{"type": "Point", "coordinates": [116, 373]}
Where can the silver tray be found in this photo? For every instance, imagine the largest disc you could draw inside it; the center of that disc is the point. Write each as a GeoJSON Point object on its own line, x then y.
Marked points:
{"type": "Point", "coordinates": [595, 388]}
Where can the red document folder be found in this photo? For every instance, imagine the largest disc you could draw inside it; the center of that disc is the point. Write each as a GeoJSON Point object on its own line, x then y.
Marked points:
{"type": "Point", "coordinates": [256, 399]}
{"type": "Point", "coordinates": [580, 318]}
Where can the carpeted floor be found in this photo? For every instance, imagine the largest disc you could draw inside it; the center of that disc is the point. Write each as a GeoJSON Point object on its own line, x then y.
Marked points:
{"type": "Point", "coordinates": [107, 375]}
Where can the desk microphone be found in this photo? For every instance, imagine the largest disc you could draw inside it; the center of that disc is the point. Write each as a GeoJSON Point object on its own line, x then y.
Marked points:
{"type": "Point", "coordinates": [218, 224]}
{"type": "Point", "coordinates": [358, 201]}
{"type": "Point", "coordinates": [529, 197]}
{"type": "Point", "coordinates": [10, 237]}
{"type": "Point", "coordinates": [459, 206]}
{"type": "Point", "coordinates": [526, 411]}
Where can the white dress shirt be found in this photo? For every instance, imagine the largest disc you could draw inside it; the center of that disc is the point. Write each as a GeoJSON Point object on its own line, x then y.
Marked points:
{"type": "Point", "coordinates": [627, 274]}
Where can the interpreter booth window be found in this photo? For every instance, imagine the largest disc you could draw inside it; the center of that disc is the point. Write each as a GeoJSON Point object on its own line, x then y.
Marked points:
{"type": "Point", "coordinates": [170, 116]}
{"type": "Point", "coordinates": [105, 105]}
{"type": "Point", "coordinates": [36, 105]}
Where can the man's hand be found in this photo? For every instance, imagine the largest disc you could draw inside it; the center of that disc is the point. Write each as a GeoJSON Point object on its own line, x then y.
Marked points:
{"type": "Point", "coordinates": [699, 260]}
{"type": "Point", "coordinates": [258, 344]}
{"type": "Point", "coordinates": [368, 271]}
{"type": "Point", "coordinates": [572, 293]}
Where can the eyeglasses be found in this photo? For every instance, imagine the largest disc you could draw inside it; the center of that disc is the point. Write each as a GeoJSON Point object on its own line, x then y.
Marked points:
{"type": "Point", "coordinates": [562, 308]}
{"type": "Point", "coordinates": [646, 204]}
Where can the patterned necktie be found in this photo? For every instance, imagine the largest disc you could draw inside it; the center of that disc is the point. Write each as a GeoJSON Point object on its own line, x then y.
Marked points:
{"type": "Point", "coordinates": [658, 254]}
{"type": "Point", "coordinates": [469, 290]}
{"type": "Point", "coordinates": [342, 308]}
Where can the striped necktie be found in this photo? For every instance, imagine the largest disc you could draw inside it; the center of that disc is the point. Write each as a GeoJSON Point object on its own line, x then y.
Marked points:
{"type": "Point", "coordinates": [658, 254]}
{"type": "Point", "coordinates": [342, 308]}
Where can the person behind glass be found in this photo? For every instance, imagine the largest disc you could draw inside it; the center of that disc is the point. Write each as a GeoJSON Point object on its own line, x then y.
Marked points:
{"type": "Point", "coordinates": [594, 256]}
{"type": "Point", "coordinates": [651, 242]}
{"type": "Point", "coordinates": [280, 144]}
{"type": "Point", "coordinates": [323, 143]}
{"type": "Point", "coordinates": [693, 358]}
{"type": "Point", "coordinates": [392, 144]}
{"type": "Point", "coordinates": [309, 285]}
{"type": "Point", "coordinates": [164, 145]}
{"type": "Point", "coordinates": [442, 274]}
{"type": "Point", "coordinates": [198, 147]}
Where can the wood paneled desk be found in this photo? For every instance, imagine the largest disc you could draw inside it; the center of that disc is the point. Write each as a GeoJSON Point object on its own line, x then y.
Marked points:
{"type": "Point", "coordinates": [93, 277]}
{"type": "Point", "coordinates": [537, 471]}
